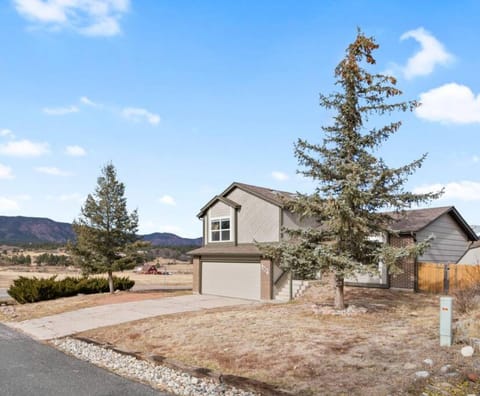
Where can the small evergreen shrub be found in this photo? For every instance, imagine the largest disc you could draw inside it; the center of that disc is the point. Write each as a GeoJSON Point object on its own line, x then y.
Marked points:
{"type": "Point", "coordinates": [123, 283]}
{"type": "Point", "coordinates": [28, 290]}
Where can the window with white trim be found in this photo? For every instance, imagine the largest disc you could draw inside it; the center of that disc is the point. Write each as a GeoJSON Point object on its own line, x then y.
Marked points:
{"type": "Point", "coordinates": [220, 229]}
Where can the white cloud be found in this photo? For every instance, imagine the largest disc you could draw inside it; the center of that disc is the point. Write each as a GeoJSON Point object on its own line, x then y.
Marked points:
{"type": "Point", "coordinates": [475, 159]}
{"type": "Point", "coordinates": [6, 172]}
{"type": "Point", "coordinates": [8, 205]}
{"type": "Point", "coordinates": [51, 170]}
{"type": "Point", "coordinates": [463, 190]}
{"type": "Point", "coordinates": [86, 101]}
{"type": "Point", "coordinates": [24, 148]}
{"type": "Point", "coordinates": [55, 111]}
{"type": "Point", "coordinates": [167, 200]}
{"type": "Point", "coordinates": [431, 54]}
{"type": "Point", "coordinates": [75, 151]}
{"type": "Point", "coordinates": [281, 176]}
{"type": "Point", "coordinates": [87, 17]}
{"type": "Point", "coordinates": [450, 103]}
{"type": "Point", "coordinates": [138, 114]}
{"type": "Point", "coordinates": [7, 133]}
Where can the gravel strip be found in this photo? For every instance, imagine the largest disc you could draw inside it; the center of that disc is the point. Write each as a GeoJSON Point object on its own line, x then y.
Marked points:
{"type": "Point", "coordinates": [164, 378]}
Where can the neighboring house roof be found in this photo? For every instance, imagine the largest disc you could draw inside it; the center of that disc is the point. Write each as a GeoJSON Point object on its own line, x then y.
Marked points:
{"type": "Point", "coordinates": [222, 250]}
{"type": "Point", "coordinates": [275, 197]}
{"type": "Point", "coordinates": [416, 220]}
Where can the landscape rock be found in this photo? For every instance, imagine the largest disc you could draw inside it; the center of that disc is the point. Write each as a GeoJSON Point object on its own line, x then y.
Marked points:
{"type": "Point", "coordinates": [428, 362]}
{"type": "Point", "coordinates": [448, 368]}
{"type": "Point", "coordinates": [174, 381]}
{"type": "Point", "coordinates": [422, 374]}
{"type": "Point", "coordinates": [467, 351]}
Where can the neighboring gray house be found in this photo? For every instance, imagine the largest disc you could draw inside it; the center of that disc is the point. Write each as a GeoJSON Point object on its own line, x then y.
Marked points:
{"type": "Point", "coordinates": [452, 237]}
{"type": "Point", "coordinates": [230, 264]}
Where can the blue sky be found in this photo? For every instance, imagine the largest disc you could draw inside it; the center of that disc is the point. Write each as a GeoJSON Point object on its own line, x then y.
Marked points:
{"type": "Point", "coordinates": [185, 97]}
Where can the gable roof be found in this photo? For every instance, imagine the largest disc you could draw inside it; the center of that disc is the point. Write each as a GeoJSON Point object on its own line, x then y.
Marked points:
{"type": "Point", "coordinates": [406, 222]}
{"type": "Point", "coordinates": [415, 220]}
{"type": "Point", "coordinates": [275, 197]}
{"type": "Point", "coordinates": [215, 199]}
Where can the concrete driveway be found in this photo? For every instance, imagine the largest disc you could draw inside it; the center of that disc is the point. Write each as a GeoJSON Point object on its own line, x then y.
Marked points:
{"type": "Point", "coordinates": [68, 323]}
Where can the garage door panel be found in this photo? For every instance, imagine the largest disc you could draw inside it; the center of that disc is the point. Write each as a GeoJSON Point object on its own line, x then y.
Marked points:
{"type": "Point", "coordinates": [241, 280]}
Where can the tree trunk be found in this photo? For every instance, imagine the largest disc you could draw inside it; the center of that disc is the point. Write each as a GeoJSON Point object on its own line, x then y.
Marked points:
{"type": "Point", "coordinates": [339, 300]}
{"type": "Point", "coordinates": [110, 281]}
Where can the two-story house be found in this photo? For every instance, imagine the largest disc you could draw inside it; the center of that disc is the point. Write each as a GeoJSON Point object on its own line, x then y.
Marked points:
{"type": "Point", "coordinates": [230, 264]}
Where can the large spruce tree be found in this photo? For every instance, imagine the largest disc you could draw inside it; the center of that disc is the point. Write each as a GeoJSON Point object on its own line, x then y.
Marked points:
{"type": "Point", "coordinates": [106, 232]}
{"type": "Point", "coordinates": [354, 187]}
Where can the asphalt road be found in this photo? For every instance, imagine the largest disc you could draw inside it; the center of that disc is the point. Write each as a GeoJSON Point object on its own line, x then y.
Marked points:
{"type": "Point", "coordinates": [31, 368]}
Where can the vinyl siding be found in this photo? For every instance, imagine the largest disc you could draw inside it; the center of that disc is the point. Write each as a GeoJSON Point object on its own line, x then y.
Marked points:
{"type": "Point", "coordinates": [450, 241]}
{"type": "Point", "coordinates": [258, 220]}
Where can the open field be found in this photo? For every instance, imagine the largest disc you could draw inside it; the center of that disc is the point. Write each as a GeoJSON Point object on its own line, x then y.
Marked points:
{"type": "Point", "coordinates": [181, 275]}
{"type": "Point", "coordinates": [290, 346]}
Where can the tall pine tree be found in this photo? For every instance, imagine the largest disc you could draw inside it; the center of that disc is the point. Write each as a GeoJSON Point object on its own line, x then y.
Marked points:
{"type": "Point", "coordinates": [353, 186]}
{"type": "Point", "coordinates": [106, 232]}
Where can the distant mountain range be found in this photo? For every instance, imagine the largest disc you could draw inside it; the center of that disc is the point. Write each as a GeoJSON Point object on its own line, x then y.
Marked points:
{"type": "Point", "coordinates": [37, 230]}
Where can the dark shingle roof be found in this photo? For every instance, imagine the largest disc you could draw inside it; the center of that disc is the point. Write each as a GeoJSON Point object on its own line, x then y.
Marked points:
{"type": "Point", "coordinates": [407, 221]}
{"type": "Point", "coordinates": [275, 197]}
{"type": "Point", "coordinates": [415, 220]}
{"type": "Point", "coordinates": [222, 250]}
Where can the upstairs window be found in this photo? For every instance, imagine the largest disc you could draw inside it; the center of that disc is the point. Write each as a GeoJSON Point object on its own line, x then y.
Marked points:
{"type": "Point", "coordinates": [220, 230]}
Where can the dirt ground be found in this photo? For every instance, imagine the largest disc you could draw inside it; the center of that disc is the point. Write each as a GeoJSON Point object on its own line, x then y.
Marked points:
{"type": "Point", "coordinates": [290, 346]}
{"type": "Point", "coordinates": [19, 312]}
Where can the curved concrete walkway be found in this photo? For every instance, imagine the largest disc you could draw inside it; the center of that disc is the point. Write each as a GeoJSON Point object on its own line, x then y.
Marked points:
{"type": "Point", "coordinates": [68, 323]}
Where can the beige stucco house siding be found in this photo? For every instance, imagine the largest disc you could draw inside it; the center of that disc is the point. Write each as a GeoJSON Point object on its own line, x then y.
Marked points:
{"type": "Point", "coordinates": [293, 221]}
{"type": "Point", "coordinates": [257, 219]}
{"type": "Point", "coordinates": [450, 241]}
{"type": "Point", "coordinates": [219, 209]}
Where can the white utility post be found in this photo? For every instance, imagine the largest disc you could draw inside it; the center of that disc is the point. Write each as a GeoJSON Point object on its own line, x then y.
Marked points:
{"type": "Point", "coordinates": [446, 316]}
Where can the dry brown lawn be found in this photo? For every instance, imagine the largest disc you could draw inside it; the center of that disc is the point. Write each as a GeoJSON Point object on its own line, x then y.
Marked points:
{"type": "Point", "coordinates": [18, 312]}
{"type": "Point", "coordinates": [289, 346]}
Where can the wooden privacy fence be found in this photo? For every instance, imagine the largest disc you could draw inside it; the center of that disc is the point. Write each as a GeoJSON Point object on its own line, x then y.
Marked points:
{"type": "Point", "coordinates": [445, 278]}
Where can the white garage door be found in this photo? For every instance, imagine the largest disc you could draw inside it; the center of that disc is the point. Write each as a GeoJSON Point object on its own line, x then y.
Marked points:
{"type": "Point", "coordinates": [241, 280]}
